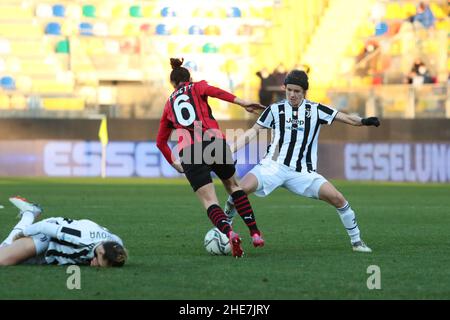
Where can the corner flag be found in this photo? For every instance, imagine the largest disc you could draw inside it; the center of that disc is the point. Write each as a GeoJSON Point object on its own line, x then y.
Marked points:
{"type": "Point", "coordinates": [103, 132]}
{"type": "Point", "coordinates": [103, 135]}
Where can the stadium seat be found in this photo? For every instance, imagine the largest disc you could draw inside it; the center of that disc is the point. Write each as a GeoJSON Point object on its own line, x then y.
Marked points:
{"type": "Point", "coordinates": [18, 102]}
{"type": "Point", "coordinates": [86, 29]}
{"type": "Point", "coordinates": [89, 11]}
{"type": "Point", "coordinates": [162, 29]}
{"type": "Point", "coordinates": [149, 11]}
{"type": "Point", "coordinates": [212, 30]}
{"type": "Point", "coordinates": [195, 30]}
{"type": "Point", "coordinates": [53, 28]}
{"type": "Point", "coordinates": [63, 46]}
{"type": "Point", "coordinates": [234, 12]}
{"type": "Point", "coordinates": [7, 83]}
{"type": "Point", "coordinates": [15, 12]}
{"type": "Point", "coordinates": [210, 48]}
{"type": "Point", "coordinates": [73, 104]}
{"type": "Point", "coordinates": [100, 29]}
{"type": "Point", "coordinates": [135, 12]}
{"type": "Point", "coordinates": [74, 12]}
{"type": "Point", "coordinates": [59, 10]}
{"type": "Point", "coordinates": [44, 10]}
{"type": "Point", "coordinates": [119, 11]}
{"type": "Point", "coordinates": [131, 29]}
{"type": "Point", "coordinates": [168, 12]}
{"type": "Point", "coordinates": [146, 28]}
{"type": "Point", "coordinates": [69, 28]}
{"type": "Point", "coordinates": [381, 28]}
{"type": "Point", "coordinates": [4, 102]}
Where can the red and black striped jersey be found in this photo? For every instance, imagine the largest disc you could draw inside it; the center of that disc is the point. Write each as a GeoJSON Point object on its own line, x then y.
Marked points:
{"type": "Point", "coordinates": [187, 111]}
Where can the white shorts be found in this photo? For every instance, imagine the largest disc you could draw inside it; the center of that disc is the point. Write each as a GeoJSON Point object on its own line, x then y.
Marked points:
{"type": "Point", "coordinates": [41, 242]}
{"type": "Point", "coordinates": [271, 175]}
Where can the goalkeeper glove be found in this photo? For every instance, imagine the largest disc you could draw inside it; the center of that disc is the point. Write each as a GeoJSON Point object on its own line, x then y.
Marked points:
{"type": "Point", "coordinates": [371, 121]}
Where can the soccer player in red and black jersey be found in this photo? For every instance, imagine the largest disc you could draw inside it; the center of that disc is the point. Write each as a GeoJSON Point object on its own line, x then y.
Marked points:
{"type": "Point", "coordinates": [202, 149]}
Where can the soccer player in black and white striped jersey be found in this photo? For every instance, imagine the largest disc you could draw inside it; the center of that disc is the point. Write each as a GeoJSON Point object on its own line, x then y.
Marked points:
{"type": "Point", "coordinates": [59, 241]}
{"type": "Point", "coordinates": [292, 156]}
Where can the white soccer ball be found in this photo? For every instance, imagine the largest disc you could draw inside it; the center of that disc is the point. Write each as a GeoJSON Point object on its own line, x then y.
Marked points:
{"type": "Point", "coordinates": [217, 243]}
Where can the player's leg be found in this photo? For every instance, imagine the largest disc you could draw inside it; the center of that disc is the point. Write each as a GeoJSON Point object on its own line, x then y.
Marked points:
{"type": "Point", "coordinates": [17, 252]}
{"type": "Point", "coordinates": [330, 194]}
{"type": "Point", "coordinates": [28, 213]}
{"type": "Point", "coordinates": [261, 180]}
{"type": "Point", "coordinates": [199, 176]}
{"type": "Point", "coordinates": [244, 208]}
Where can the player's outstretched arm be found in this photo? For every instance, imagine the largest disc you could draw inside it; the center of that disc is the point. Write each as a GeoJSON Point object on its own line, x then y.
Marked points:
{"type": "Point", "coordinates": [249, 106]}
{"type": "Point", "coordinates": [355, 120]}
{"type": "Point", "coordinates": [248, 136]}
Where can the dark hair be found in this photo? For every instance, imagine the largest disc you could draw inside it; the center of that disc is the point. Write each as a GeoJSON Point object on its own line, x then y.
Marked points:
{"type": "Point", "coordinates": [297, 77]}
{"type": "Point", "coordinates": [179, 74]}
{"type": "Point", "coordinates": [115, 254]}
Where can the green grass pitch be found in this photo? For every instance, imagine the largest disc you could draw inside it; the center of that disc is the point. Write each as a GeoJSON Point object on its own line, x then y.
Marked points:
{"type": "Point", "coordinates": [307, 253]}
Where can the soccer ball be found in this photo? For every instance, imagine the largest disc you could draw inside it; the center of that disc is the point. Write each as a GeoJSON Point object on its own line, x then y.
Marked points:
{"type": "Point", "coordinates": [217, 243]}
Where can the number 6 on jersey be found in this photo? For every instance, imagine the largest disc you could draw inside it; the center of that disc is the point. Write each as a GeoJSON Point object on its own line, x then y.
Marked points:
{"type": "Point", "coordinates": [179, 105]}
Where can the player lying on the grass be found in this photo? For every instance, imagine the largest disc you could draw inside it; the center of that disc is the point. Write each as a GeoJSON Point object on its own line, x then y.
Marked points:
{"type": "Point", "coordinates": [292, 155]}
{"type": "Point", "coordinates": [203, 149]}
{"type": "Point", "coordinates": [59, 241]}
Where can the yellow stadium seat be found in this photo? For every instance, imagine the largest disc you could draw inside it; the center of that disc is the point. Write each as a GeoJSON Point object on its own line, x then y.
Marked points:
{"type": "Point", "coordinates": [394, 11]}
{"type": "Point", "coordinates": [16, 12]}
{"type": "Point", "coordinates": [149, 11]}
{"type": "Point", "coordinates": [18, 102]}
{"type": "Point", "coordinates": [25, 47]}
{"type": "Point", "coordinates": [4, 101]}
{"type": "Point", "coordinates": [437, 11]}
{"type": "Point", "coordinates": [119, 11]}
{"type": "Point", "coordinates": [73, 104]}
{"type": "Point", "coordinates": [74, 11]}
{"type": "Point", "coordinates": [131, 29]}
{"type": "Point", "coordinates": [409, 9]}
{"type": "Point", "coordinates": [22, 30]}
{"type": "Point", "coordinates": [51, 86]}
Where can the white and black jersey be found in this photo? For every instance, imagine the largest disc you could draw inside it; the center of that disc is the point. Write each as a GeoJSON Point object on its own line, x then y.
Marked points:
{"type": "Point", "coordinates": [295, 132]}
{"type": "Point", "coordinates": [76, 241]}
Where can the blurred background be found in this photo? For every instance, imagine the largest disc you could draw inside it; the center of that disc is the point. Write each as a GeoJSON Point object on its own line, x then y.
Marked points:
{"type": "Point", "coordinates": [65, 64]}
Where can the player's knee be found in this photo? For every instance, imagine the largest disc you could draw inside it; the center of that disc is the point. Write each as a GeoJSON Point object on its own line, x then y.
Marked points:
{"type": "Point", "coordinates": [338, 200]}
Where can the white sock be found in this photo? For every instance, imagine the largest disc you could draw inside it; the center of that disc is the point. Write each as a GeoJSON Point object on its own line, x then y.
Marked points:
{"type": "Point", "coordinates": [348, 219]}
{"type": "Point", "coordinates": [26, 220]}
{"type": "Point", "coordinates": [230, 200]}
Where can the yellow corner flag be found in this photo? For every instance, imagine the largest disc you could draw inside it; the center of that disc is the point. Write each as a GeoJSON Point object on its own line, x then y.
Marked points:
{"type": "Point", "coordinates": [103, 132]}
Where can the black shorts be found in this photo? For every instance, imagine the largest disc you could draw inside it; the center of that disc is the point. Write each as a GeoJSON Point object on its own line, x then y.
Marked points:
{"type": "Point", "coordinates": [200, 159]}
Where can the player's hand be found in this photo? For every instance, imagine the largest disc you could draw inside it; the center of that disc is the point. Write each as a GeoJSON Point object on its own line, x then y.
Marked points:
{"type": "Point", "coordinates": [371, 121]}
{"type": "Point", "coordinates": [253, 107]}
{"type": "Point", "coordinates": [177, 166]}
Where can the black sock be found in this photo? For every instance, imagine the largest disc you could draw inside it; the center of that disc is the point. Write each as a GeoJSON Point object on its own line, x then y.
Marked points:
{"type": "Point", "coordinates": [244, 208]}
{"type": "Point", "coordinates": [219, 219]}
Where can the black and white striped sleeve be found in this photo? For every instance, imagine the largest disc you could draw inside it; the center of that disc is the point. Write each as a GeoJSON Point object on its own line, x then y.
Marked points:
{"type": "Point", "coordinates": [266, 118]}
{"type": "Point", "coordinates": [326, 114]}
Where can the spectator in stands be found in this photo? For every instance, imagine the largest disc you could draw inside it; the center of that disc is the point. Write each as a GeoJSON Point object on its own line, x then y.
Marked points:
{"type": "Point", "coordinates": [367, 60]}
{"type": "Point", "coordinates": [265, 95]}
{"type": "Point", "coordinates": [419, 73]}
{"type": "Point", "coordinates": [424, 17]}
{"type": "Point", "coordinates": [279, 74]}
